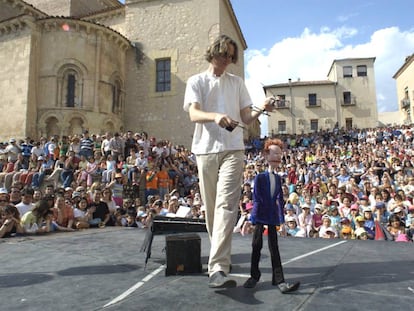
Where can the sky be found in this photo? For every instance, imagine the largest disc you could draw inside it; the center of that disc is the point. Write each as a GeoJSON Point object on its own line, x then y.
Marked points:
{"type": "Point", "coordinates": [301, 38]}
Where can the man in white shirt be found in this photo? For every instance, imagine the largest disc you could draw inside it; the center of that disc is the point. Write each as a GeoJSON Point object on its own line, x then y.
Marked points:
{"type": "Point", "coordinates": [26, 204]}
{"type": "Point", "coordinates": [218, 102]}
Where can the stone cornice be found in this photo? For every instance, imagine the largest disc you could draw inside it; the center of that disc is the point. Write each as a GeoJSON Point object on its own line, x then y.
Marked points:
{"type": "Point", "coordinates": [25, 8]}
{"type": "Point", "coordinates": [76, 25]}
{"type": "Point", "coordinates": [15, 24]}
{"type": "Point", "coordinates": [104, 14]}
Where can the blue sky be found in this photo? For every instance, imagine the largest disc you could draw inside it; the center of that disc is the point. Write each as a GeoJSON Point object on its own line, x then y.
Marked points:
{"type": "Point", "coordinates": [300, 39]}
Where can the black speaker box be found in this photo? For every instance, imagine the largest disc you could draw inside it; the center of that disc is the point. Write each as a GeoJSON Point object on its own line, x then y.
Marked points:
{"type": "Point", "coordinates": [183, 254]}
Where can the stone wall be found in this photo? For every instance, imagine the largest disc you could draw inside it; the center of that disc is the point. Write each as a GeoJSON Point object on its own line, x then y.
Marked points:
{"type": "Point", "coordinates": [180, 30]}
{"type": "Point", "coordinates": [15, 55]}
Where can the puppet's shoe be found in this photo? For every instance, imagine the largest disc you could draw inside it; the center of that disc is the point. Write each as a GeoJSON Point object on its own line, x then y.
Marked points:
{"type": "Point", "coordinates": [288, 288]}
{"type": "Point", "coordinates": [250, 283]}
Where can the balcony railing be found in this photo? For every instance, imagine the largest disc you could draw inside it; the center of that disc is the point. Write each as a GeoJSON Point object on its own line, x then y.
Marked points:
{"type": "Point", "coordinates": [313, 103]}
{"type": "Point", "coordinates": [405, 103]}
{"type": "Point", "coordinates": [349, 102]}
{"type": "Point", "coordinates": [281, 104]}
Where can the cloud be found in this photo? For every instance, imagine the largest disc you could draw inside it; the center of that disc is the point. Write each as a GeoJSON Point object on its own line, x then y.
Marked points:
{"type": "Point", "coordinates": [310, 55]}
{"type": "Point", "coordinates": [345, 18]}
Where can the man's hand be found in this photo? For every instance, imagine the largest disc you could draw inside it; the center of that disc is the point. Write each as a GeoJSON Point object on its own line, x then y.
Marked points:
{"type": "Point", "coordinates": [225, 121]}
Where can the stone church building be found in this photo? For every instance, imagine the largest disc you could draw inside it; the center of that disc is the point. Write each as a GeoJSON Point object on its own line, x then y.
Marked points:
{"type": "Point", "coordinates": [102, 65]}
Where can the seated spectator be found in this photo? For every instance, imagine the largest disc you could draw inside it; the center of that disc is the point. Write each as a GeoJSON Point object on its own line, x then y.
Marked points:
{"type": "Point", "coordinates": [37, 220]}
{"type": "Point", "coordinates": [360, 223]}
{"type": "Point", "coordinates": [101, 216]}
{"type": "Point", "coordinates": [317, 220]}
{"type": "Point", "coordinates": [326, 231]}
{"type": "Point", "coordinates": [395, 227]}
{"type": "Point", "coordinates": [65, 216]}
{"type": "Point", "coordinates": [333, 214]}
{"type": "Point", "coordinates": [346, 223]}
{"type": "Point", "coordinates": [305, 221]}
{"type": "Point", "coordinates": [107, 198]}
{"type": "Point", "coordinates": [26, 177]}
{"type": "Point", "coordinates": [369, 219]}
{"type": "Point", "coordinates": [10, 221]}
{"type": "Point", "coordinates": [290, 212]}
{"type": "Point", "coordinates": [46, 169]}
{"type": "Point", "coordinates": [346, 233]}
{"type": "Point", "coordinates": [361, 234]}
{"type": "Point", "coordinates": [26, 203]}
{"type": "Point", "coordinates": [291, 227]}
{"type": "Point", "coordinates": [81, 215]}
{"type": "Point", "coordinates": [55, 176]}
{"type": "Point", "coordinates": [15, 194]}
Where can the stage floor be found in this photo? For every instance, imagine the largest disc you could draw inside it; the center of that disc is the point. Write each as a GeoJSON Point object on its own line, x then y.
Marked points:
{"type": "Point", "coordinates": [103, 269]}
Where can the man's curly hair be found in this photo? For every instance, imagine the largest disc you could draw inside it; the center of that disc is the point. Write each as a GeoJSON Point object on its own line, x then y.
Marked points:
{"type": "Point", "coordinates": [220, 47]}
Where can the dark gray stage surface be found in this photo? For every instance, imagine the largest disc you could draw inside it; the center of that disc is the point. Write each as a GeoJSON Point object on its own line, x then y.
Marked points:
{"type": "Point", "coordinates": [102, 269]}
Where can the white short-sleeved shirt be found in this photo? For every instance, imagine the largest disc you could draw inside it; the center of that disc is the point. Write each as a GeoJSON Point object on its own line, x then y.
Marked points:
{"type": "Point", "coordinates": [226, 94]}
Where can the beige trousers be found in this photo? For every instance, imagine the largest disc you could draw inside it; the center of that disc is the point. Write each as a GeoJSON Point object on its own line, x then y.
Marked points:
{"type": "Point", "coordinates": [220, 178]}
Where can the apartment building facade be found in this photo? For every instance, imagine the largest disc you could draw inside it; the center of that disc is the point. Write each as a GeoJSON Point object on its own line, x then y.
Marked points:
{"type": "Point", "coordinates": [404, 78]}
{"type": "Point", "coordinates": [347, 99]}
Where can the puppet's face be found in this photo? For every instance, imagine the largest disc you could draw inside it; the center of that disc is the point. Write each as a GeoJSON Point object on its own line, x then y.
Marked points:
{"type": "Point", "coordinates": [274, 156]}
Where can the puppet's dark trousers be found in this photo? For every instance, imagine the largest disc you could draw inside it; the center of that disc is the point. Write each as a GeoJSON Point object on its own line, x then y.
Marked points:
{"type": "Point", "coordinates": [257, 244]}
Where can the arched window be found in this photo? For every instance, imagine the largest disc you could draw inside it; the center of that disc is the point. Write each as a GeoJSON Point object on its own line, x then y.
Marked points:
{"type": "Point", "coordinates": [70, 90]}
{"type": "Point", "coordinates": [116, 97]}
{"type": "Point", "coordinates": [70, 85]}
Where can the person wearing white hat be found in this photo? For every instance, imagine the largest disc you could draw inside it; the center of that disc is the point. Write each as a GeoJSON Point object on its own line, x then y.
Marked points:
{"type": "Point", "coordinates": [12, 150]}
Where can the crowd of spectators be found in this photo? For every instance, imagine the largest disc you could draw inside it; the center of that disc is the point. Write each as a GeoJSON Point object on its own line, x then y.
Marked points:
{"type": "Point", "coordinates": [347, 184]}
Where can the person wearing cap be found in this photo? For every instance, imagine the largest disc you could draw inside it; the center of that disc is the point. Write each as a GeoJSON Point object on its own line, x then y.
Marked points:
{"type": "Point", "coordinates": [326, 229]}
{"type": "Point", "coordinates": [369, 218]}
{"type": "Point", "coordinates": [12, 150]}
{"type": "Point", "coordinates": [381, 213]}
{"type": "Point", "coordinates": [291, 226]}
{"type": "Point", "coordinates": [361, 234]}
{"type": "Point", "coordinates": [290, 212]}
{"type": "Point", "coordinates": [268, 210]}
{"type": "Point", "coordinates": [346, 233]}
{"type": "Point", "coordinates": [353, 214]}
{"type": "Point", "coordinates": [117, 187]}
{"type": "Point", "coordinates": [26, 149]}
{"type": "Point", "coordinates": [317, 219]}
{"type": "Point", "coordinates": [361, 223]}
{"type": "Point", "coordinates": [305, 220]}
{"type": "Point", "coordinates": [4, 197]}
